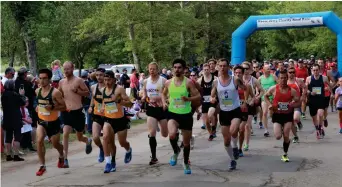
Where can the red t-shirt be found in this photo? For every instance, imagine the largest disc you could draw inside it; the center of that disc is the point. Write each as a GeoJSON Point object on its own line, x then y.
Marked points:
{"type": "Point", "coordinates": [301, 73]}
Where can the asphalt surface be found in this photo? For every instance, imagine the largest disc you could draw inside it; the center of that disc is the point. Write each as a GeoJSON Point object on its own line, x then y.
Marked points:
{"type": "Point", "coordinates": [312, 163]}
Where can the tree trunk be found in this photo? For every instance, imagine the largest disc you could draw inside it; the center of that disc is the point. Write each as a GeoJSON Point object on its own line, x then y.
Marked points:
{"type": "Point", "coordinates": [152, 44]}
{"type": "Point", "coordinates": [182, 38]}
{"type": "Point", "coordinates": [11, 62]}
{"type": "Point", "coordinates": [31, 52]}
{"type": "Point", "coordinates": [209, 33]}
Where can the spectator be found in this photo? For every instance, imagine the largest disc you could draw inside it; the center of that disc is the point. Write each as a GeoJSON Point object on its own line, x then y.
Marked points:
{"type": "Point", "coordinates": [164, 74]}
{"type": "Point", "coordinates": [169, 74]}
{"type": "Point", "coordinates": [57, 74]}
{"type": "Point", "coordinates": [86, 101]}
{"type": "Point", "coordinates": [26, 140]}
{"type": "Point", "coordinates": [134, 84]}
{"type": "Point", "coordinates": [9, 74]}
{"type": "Point", "coordinates": [12, 123]}
{"type": "Point", "coordinates": [92, 80]}
{"type": "Point", "coordinates": [125, 80]}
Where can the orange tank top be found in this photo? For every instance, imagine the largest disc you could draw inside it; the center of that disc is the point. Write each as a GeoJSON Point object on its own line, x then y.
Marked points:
{"type": "Point", "coordinates": [112, 109]}
{"type": "Point", "coordinates": [43, 113]}
{"type": "Point", "coordinates": [98, 98]}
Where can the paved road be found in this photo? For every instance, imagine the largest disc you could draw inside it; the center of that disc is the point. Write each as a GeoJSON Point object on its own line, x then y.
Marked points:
{"type": "Point", "coordinates": [312, 163]}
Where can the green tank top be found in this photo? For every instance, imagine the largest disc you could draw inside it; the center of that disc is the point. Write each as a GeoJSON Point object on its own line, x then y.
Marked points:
{"type": "Point", "coordinates": [267, 83]}
{"type": "Point", "coordinates": [177, 105]}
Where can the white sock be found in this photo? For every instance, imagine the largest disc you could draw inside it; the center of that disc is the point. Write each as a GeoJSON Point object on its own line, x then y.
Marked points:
{"type": "Point", "coordinates": [229, 150]}
{"type": "Point", "coordinates": [234, 142]}
{"type": "Point", "coordinates": [108, 159]}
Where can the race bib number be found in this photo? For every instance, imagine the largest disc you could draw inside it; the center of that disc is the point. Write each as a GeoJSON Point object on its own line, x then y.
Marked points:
{"type": "Point", "coordinates": [283, 106]}
{"type": "Point", "coordinates": [227, 102]}
{"type": "Point", "coordinates": [111, 108]}
{"type": "Point", "coordinates": [99, 106]}
{"type": "Point", "coordinates": [206, 98]}
{"type": "Point", "coordinates": [317, 90]}
{"type": "Point", "coordinates": [179, 103]}
{"type": "Point", "coordinates": [42, 110]}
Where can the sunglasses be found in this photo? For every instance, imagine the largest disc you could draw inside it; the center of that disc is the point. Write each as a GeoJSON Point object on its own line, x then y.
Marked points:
{"type": "Point", "coordinates": [292, 72]}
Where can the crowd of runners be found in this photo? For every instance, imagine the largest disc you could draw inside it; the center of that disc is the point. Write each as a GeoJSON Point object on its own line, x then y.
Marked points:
{"type": "Point", "coordinates": [231, 96]}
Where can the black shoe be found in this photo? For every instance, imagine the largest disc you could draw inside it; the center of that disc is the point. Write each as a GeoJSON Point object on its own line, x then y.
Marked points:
{"type": "Point", "coordinates": [32, 149]}
{"type": "Point", "coordinates": [325, 123]}
{"type": "Point", "coordinates": [236, 153]}
{"type": "Point", "coordinates": [300, 125]}
{"type": "Point", "coordinates": [9, 158]}
{"type": "Point", "coordinates": [16, 158]}
{"type": "Point", "coordinates": [266, 134]}
{"type": "Point", "coordinates": [153, 161]}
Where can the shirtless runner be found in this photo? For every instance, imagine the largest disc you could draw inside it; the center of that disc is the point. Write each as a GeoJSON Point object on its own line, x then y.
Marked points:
{"type": "Point", "coordinates": [50, 102]}
{"type": "Point", "coordinates": [73, 89]}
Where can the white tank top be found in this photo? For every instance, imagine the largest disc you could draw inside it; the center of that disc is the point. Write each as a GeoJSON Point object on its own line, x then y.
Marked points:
{"type": "Point", "coordinates": [228, 96]}
{"type": "Point", "coordinates": [154, 89]}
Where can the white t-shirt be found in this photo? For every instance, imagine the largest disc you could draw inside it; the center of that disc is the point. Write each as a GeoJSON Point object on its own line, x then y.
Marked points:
{"type": "Point", "coordinates": [26, 127]}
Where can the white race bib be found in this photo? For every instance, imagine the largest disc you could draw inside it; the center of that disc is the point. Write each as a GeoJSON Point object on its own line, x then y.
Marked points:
{"type": "Point", "coordinates": [317, 90]}
{"type": "Point", "coordinates": [206, 99]}
{"type": "Point", "coordinates": [99, 106]}
{"type": "Point", "coordinates": [283, 106]}
{"type": "Point", "coordinates": [227, 102]}
{"type": "Point", "coordinates": [42, 110]}
{"type": "Point", "coordinates": [179, 103]}
{"type": "Point", "coordinates": [111, 108]}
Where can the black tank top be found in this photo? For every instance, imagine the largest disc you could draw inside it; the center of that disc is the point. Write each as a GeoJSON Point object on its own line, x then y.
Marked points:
{"type": "Point", "coordinates": [45, 100]}
{"type": "Point", "coordinates": [98, 95]}
{"type": "Point", "coordinates": [110, 95]}
{"type": "Point", "coordinates": [215, 73]}
{"type": "Point", "coordinates": [207, 86]}
{"type": "Point", "coordinates": [317, 86]}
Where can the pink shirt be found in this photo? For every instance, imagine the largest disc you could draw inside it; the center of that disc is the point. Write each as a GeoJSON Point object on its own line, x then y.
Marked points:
{"type": "Point", "coordinates": [134, 81]}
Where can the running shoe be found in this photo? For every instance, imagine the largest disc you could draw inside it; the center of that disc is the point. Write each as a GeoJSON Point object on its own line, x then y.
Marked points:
{"type": "Point", "coordinates": [41, 171]}
{"type": "Point", "coordinates": [211, 137]}
{"type": "Point", "coordinates": [341, 131]}
{"type": "Point", "coordinates": [325, 123]}
{"type": "Point", "coordinates": [240, 153]}
{"type": "Point", "coordinates": [322, 132]}
{"type": "Point", "coordinates": [89, 148]}
{"type": "Point", "coordinates": [199, 115]}
{"type": "Point", "coordinates": [252, 132]}
{"type": "Point", "coordinates": [9, 158]}
{"type": "Point", "coordinates": [60, 162]}
{"type": "Point", "coordinates": [266, 134]}
{"type": "Point", "coordinates": [303, 116]}
{"type": "Point", "coordinates": [246, 147]}
{"type": "Point", "coordinates": [214, 135]}
{"type": "Point", "coordinates": [261, 126]}
{"type": "Point", "coordinates": [187, 169]}
{"type": "Point", "coordinates": [128, 156]}
{"type": "Point", "coordinates": [232, 165]}
{"type": "Point", "coordinates": [173, 159]}
{"type": "Point", "coordinates": [203, 126]}
{"type": "Point", "coordinates": [113, 167]}
{"type": "Point", "coordinates": [295, 139]}
{"type": "Point", "coordinates": [300, 125]}
{"type": "Point", "coordinates": [66, 163]}
{"type": "Point", "coordinates": [285, 158]}
{"type": "Point", "coordinates": [101, 156]}
{"type": "Point", "coordinates": [153, 161]}
{"type": "Point", "coordinates": [318, 135]}
{"type": "Point", "coordinates": [16, 158]}
{"type": "Point", "coordinates": [236, 153]}
{"type": "Point", "coordinates": [108, 168]}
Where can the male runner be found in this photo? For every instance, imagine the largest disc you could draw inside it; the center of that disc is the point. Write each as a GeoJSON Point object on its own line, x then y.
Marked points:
{"type": "Point", "coordinates": [335, 75]}
{"type": "Point", "coordinates": [327, 92]}
{"type": "Point", "coordinates": [301, 74]}
{"type": "Point", "coordinates": [252, 108]}
{"type": "Point", "coordinates": [285, 99]}
{"type": "Point", "coordinates": [114, 98]}
{"type": "Point", "coordinates": [177, 91]}
{"type": "Point", "coordinates": [152, 92]}
{"type": "Point", "coordinates": [226, 89]}
{"type": "Point", "coordinates": [316, 85]}
{"type": "Point", "coordinates": [73, 89]}
{"type": "Point", "coordinates": [95, 110]}
{"type": "Point", "coordinates": [212, 66]}
{"type": "Point", "coordinates": [50, 102]}
{"type": "Point", "coordinates": [267, 80]}
{"type": "Point", "coordinates": [246, 101]}
{"type": "Point", "coordinates": [300, 87]}
{"type": "Point", "coordinates": [206, 83]}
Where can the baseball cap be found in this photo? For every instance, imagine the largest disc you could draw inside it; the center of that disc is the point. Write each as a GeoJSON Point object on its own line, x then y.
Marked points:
{"type": "Point", "coordinates": [84, 74]}
{"type": "Point", "coordinates": [22, 70]}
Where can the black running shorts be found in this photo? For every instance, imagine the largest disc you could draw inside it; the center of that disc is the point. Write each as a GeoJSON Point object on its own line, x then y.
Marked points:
{"type": "Point", "coordinates": [282, 119]}
{"type": "Point", "coordinates": [185, 121]}
{"type": "Point", "coordinates": [226, 117]}
{"type": "Point", "coordinates": [75, 119]}
{"type": "Point", "coordinates": [156, 112]}
{"type": "Point", "coordinates": [51, 128]}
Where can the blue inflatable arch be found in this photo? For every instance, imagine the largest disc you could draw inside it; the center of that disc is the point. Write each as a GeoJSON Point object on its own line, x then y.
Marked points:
{"type": "Point", "coordinates": [284, 21]}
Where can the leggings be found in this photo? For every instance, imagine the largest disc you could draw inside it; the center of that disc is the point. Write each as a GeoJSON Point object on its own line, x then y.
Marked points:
{"type": "Point", "coordinates": [10, 132]}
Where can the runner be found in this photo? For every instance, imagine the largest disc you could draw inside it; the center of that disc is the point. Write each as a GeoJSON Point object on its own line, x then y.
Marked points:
{"type": "Point", "coordinates": [252, 108]}
{"type": "Point", "coordinates": [267, 80]}
{"type": "Point", "coordinates": [50, 102]}
{"type": "Point", "coordinates": [315, 84]}
{"type": "Point", "coordinates": [95, 110]}
{"type": "Point", "coordinates": [246, 102]}
{"type": "Point", "coordinates": [206, 83]}
{"type": "Point", "coordinates": [301, 74]}
{"type": "Point", "coordinates": [152, 91]}
{"type": "Point", "coordinates": [179, 115]}
{"type": "Point", "coordinates": [338, 102]}
{"type": "Point", "coordinates": [73, 89]}
{"type": "Point", "coordinates": [285, 100]}
{"type": "Point", "coordinates": [299, 86]}
{"type": "Point", "coordinates": [225, 88]}
{"type": "Point", "coordinates": [327, 92]}
{"type": "Point", "coordinates": [114, 98]}
{"type": "Point", "coordinates": [212, 66]}
{"type": "Point", "coordinates": [335, 75]}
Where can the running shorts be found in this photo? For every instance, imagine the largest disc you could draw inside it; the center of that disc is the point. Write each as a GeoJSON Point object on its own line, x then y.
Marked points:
{"type": "Point", "coordinates": [118, 124]}
{"type": "Point", "coordinates": [282, 119]}
{"type": "Point", "coordinates": [98, 119]}
{"type": "Point", "coordinates": [327, 101]}
{"type": "Point", "coordinates": [156, 112]}
{"type": "Point", "coordinates": [226, 117]}
{"type": "Point", "coordinates": [185, 121]}
{"type": "Point", "coordinates": [51, 127]}
{"type": "Point", "coordinates": [75, 119]}
{"type": "Point", "coordinates": [252, 110]}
